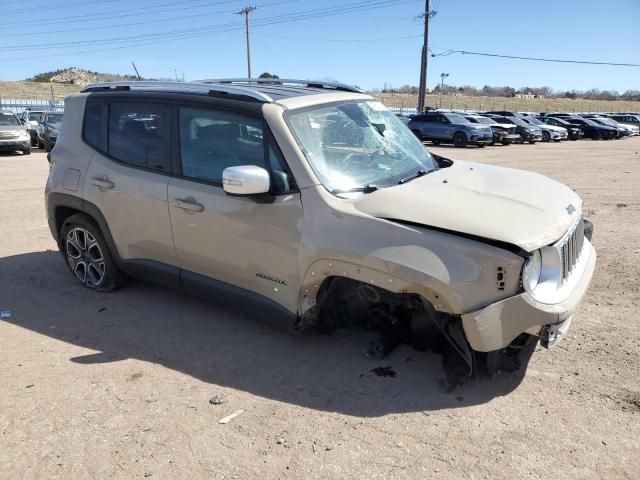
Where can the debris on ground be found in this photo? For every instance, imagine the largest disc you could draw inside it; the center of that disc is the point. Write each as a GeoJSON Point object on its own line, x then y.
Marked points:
{"type": "Point", "coordinates": [619, 205]}
{"type": "Point", "coordinates": [218, 399]}
{"type": "Point", "coordinates": [102, 309]}
{"type": "Point", "coordinates": [387, 371]}
{"type": "Point", "coordinates": [228, 418]}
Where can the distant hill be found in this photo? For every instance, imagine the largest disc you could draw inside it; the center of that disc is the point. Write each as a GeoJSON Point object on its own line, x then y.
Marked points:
{"type": "Point", "coordinates": [77, 76]}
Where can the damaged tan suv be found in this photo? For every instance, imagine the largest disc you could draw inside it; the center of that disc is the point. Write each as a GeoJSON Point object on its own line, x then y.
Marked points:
{"type": "Point", "coordinates": [312, 202]}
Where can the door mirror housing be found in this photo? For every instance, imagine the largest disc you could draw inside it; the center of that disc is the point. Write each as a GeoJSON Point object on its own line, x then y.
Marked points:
{"type": "Point", "coordinates": [245, 180]}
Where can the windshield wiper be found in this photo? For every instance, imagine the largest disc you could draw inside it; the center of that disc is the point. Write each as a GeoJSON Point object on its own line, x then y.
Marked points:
{"type": "Point", "coordinates": [363, 188]}
{"type": "Point", "coordinates": [419, 173]}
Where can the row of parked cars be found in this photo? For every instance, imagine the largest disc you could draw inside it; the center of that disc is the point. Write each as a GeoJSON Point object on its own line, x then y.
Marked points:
{"type": "Point", "coordinates": [33, 128]}
{"type": "Point", "coordinates": [503, 127]}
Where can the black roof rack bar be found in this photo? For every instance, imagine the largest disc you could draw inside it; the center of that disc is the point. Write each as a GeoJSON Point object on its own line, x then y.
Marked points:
{"type": "Point", "coordinates": [283, 81]}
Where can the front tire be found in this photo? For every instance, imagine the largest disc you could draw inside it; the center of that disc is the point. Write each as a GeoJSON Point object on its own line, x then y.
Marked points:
{"type": "Point", "coordinates": [87, 255]}
{"type": "Point", "coordinates": [546, 136]}
{"type": "Point", "coordinates": [506, 142]}
{"type": "Point", "coordinates": [460, 140]}
{"type": "Point", "coordinates": [26, 151]}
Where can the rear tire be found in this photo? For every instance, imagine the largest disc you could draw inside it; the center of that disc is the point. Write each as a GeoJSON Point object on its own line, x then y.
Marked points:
{"type": "Point", "coordinates": [532, 142]}
{"type": "Point", "coordinates": [546, 136]}
{"type": "Point", "coordinates": [506, 142]}
{"type": "Point", "coordinates": [87, 255]}
{"type": "Point", "coordinates": [460, 140]}
{"type": "Point", "coordinates": [596, 136]}
{"type": "Point", "coordinates": [435, 142]}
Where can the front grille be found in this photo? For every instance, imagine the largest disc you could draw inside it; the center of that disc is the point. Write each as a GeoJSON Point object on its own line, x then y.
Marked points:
{"type": "Point", "coordinates": [571, 247]}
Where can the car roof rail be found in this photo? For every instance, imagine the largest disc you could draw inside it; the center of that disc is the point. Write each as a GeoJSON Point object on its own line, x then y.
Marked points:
{"type": "Point", "coordinates": [193, 87]}
{"type": "Point", "coordinates": [284, 81]}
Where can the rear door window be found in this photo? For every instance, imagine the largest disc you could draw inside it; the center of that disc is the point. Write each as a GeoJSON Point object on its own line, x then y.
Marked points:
{"type": "Point", "coordinates": [137, 135]}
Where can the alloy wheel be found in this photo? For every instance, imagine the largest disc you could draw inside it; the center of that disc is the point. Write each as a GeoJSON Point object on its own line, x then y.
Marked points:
{"type": "Point", "coordinates": [85, 257]}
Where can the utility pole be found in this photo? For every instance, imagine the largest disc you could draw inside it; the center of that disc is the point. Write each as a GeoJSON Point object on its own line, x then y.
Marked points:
{"type": "Point", "coordinates": [422, 90]}
{"type": "Point", "coordinates": [246, 11]}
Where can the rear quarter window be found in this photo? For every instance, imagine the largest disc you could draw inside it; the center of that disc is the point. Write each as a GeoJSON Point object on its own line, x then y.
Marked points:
{"type": "Point", "coordinates": [93, 127]}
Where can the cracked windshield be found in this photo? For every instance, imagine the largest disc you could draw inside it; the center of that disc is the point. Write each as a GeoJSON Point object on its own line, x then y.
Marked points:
{"type": "Point", "coordinates": [359, 146]}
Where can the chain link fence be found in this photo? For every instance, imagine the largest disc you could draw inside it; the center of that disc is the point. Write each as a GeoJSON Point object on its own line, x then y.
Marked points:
{"type": "Point", "coordinates": [19, 105]}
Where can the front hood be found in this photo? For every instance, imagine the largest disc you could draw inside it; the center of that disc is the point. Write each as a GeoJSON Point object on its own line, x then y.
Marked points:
{"type": "Point", "coordinates": [502, 204]}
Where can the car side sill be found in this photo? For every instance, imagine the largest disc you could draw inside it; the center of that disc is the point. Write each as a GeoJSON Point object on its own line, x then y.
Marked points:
{"type": "Point", "coordinates": [224, 293]}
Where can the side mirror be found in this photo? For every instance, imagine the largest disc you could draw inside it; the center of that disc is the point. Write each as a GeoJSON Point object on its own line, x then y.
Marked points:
{"type": "Point", "coordinates": [245, 180]}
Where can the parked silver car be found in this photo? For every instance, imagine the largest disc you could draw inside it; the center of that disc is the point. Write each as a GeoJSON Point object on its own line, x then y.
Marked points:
{"type": "Point", "coordinates": [13, 135]}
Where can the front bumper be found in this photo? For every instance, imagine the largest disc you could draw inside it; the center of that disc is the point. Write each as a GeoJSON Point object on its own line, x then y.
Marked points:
{"type": "Point", "coordinates": [531, 137]}
{"type": "Point", "coordinates": [13, 145]}
{"type": "Point", "coordinates": [483, 138]}
{"type": "Point", "coordinates": [497, 325]}
{"type": "Point", "coordinates": [559, 135]}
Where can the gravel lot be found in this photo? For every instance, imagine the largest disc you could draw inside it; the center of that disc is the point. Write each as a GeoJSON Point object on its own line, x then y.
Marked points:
{"type": "Point", "coordinates": [118, 385]}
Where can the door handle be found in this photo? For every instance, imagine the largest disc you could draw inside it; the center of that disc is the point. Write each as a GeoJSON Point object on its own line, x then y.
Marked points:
{"type": "Point", "coordinates": [188, 204]}
{"type": "Point", "coordinates": [102, 182]}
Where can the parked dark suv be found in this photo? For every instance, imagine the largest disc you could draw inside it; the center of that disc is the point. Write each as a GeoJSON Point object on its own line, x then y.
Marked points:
{"type": "Point", "coordinates": [450, 128]}
{"type": "Point", "coordinates": [591, 129]}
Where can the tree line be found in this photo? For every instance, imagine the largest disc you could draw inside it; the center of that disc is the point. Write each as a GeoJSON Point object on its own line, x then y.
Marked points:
{"type": "Point", "coordinates": [489, 91]}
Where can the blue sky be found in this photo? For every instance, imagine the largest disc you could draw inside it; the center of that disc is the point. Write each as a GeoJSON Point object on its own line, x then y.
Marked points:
{"type": "Point", "coordinates": [373, 43]}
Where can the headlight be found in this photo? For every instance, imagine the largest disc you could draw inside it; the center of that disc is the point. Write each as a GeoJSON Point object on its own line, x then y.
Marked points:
{"type": "Point", "coordinates": [542, 275]}
{"type": "Point", "coordinates": [23, 135]}
{"type": "Point", "coordinates": [531, 271]}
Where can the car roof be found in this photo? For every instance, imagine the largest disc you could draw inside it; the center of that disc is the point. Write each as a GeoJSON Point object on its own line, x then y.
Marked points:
{"type": "Point", "coordinates": [256, 89]}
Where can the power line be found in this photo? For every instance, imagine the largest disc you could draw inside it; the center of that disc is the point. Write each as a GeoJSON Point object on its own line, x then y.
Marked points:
{"type": "Point", "coordinates": [73, 43]}
{"type": "Point", "coordinates": [145, 22]}
{"type": "Point", "coordinates": [223, 28]}
{"type": "Point", "coordinates": [61, 5]}
{"type": "Point", "coordinates": [536, 59]}
{"type": "Point", "coordinates": [127, 12]}
{"type": "Point", "coordinates": [339, 40]}
{"type": "Point", "coordinates": [186, 33]}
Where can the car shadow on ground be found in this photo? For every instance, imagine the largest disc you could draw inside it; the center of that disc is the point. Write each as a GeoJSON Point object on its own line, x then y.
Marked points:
{"type": "Point", "coordinates": [218, 345]}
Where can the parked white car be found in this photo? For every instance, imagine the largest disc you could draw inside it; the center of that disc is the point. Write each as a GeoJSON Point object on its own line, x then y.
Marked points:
{"type": "Point", "coordinates": [549, 132]}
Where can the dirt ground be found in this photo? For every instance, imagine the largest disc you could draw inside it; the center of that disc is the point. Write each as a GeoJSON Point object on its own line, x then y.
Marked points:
{"type": "Point", "coordinates": [118, 385]}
